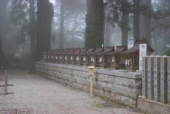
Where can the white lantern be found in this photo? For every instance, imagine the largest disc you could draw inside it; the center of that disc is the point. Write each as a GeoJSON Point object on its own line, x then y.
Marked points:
{"type": "Point", "coordinates": [65, 57]}
{"type": "Point", "coordinates": [77, 58]}
{"type": "Point", "coordinates": [113, 59]}
{"type": "Point", "coordinates": [100, 59]}
{"type": "Point", "coordinates": [71, 58]}
{"type": "Point", "coordinates": [84, 58]}
{"type": "Point", "coordinates": [92, 59]}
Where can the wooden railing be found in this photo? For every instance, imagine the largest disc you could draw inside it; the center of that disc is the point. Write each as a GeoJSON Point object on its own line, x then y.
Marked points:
{"type": "Point", "coordinates": [156, 79]}
{"type": "Point", "coordinates": [101, 57]}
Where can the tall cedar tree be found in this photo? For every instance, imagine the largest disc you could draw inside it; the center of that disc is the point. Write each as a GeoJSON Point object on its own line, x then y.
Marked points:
{"type": "Point", "coordinates": [124, 22]}
{"type": "Point", "coordinates": [44, 20]}
{"type": "Point", "coordinates": [94, 24]}
{"type": "Point", "coordinates": [3, 60]}
{"type": "Point", "coordinates": [118, 13]}
{"type": "Point", "coordinates": [142, 20]}
{"type": "Point", "coordinates": [33, 35]}
{"type": "Point", "coordinates": [136, 20]}
{"type": "Point", "coordinates": [62, 12]}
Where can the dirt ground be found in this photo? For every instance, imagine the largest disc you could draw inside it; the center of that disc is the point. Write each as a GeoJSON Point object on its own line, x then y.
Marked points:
{"type": "Point", "coordinates": [34, 94]}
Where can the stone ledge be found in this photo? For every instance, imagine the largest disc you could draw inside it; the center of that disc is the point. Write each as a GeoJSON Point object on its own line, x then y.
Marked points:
{"type": "Point", "coordinates": [105, 71]}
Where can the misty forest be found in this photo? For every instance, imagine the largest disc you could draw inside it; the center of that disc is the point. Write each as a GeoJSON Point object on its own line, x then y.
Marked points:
{"type": "Point", "coordinates": [30, 27]}
{"type": "Point", "coordinates": [84, 56]}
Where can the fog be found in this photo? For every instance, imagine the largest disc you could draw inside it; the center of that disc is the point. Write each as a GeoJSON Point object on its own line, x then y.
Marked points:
{"type": "Point", "coordinates": [74, 23]}
{"type": "Point", "coordinates": [67, 22]}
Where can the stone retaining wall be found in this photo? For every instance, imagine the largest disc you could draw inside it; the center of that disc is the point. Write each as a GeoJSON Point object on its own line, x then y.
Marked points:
{"type": "Point", "coordinates": [120, 86]}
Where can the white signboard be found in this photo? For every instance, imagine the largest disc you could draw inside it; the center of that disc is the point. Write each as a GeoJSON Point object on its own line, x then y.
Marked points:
{"type": "Point", "coordinates": [130, 43]}
{"type": "Point", "coordinates": [142, 54]}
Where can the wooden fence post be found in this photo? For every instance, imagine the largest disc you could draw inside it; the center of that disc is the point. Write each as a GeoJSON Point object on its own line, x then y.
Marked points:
{"type": "Point", "coordinates": [157, 78]}
{"type": "Point", "coordinates": [149, 78]}
{"type": "Point", "coordinates": [164, 80]}
{"type": "Point", "coordinates": [168, 68]}
{"type": "Point", "coordinates": [145, 78]}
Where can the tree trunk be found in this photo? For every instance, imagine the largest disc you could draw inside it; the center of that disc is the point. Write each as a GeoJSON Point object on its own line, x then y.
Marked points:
{"type": "Point", "coordinates": [124, 22]}
{"type": "Point", "coordinates": [94, 24]}
{"type": "Point", "coordinates": [142, 20]}
{"type": "Point", "coordinates": [33, 35]}
{"type": "Point", "coordinates": [44, 20]}
{"type": "Point", "coordinates": [3, 8]}
{"type": "Point", "coordinates": [61, 34]}
{"type": "Point", "coordinates": [3, 60]}
{"type": "Point", "coordinates": [145, 20]}
{"type": "Point", "coordinates": [136, 20]}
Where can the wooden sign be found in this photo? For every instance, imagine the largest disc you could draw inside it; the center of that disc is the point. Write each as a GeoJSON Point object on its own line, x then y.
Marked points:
{"type": "Point", "coordinates": [142, 54]}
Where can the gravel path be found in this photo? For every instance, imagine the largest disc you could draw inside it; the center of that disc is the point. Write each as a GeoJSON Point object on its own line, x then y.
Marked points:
{"type": "Point", "coordinates": [43, 96]}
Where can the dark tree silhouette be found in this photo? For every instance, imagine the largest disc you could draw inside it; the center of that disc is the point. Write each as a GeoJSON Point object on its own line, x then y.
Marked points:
{"type": "Point", "coordinates": [62, 12]}
{"type": "Point", "coordinates": [3, 60]}
{"type": "Point", "coordinates": [94, 24]}
{"type": "Point", "coordinates": [44, 19]}
{"type": "Point", "coordinates": [33, 35]}
{"type": "Point", "coordinates": [136, 20]}
{"type": "Point", "coordinates": [142, 20]}
{"type": "Point", "coordinates": [124, 22]}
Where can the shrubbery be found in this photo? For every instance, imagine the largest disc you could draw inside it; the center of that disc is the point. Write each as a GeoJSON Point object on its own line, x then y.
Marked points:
{"type": "Point", "coordinates": [167, 52]}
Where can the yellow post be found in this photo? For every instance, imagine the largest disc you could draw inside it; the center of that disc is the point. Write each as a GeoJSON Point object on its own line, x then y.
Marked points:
{"type": "Point", "coordinates": [91, 75]}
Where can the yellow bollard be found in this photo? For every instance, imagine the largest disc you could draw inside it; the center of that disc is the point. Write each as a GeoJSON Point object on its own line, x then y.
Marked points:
{"type": "Point", "coordinates": [91, 75]}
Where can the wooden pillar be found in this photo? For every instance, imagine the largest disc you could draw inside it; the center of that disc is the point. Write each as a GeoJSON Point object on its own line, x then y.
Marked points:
{"type": "Point", "coordinates": [145, 78]}
{"type": "Point", "coordinates": [164, 81]}
{"type": "Point", "coordinates": [157, 78]}
{"type": "Point", "coordinates": [168, 68]}
{"type": "Point", "coordinates": [150, 79]}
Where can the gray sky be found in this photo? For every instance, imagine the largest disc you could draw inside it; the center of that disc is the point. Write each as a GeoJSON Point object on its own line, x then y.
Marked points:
{"type": "Point", "coordinates": [52, 1]}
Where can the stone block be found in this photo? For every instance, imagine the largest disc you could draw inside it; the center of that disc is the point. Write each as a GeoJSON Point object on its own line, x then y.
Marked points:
{"type": "Point", "coordinates": [125, 91]}
{"type": "Point", "coordinates": [104, 78]}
